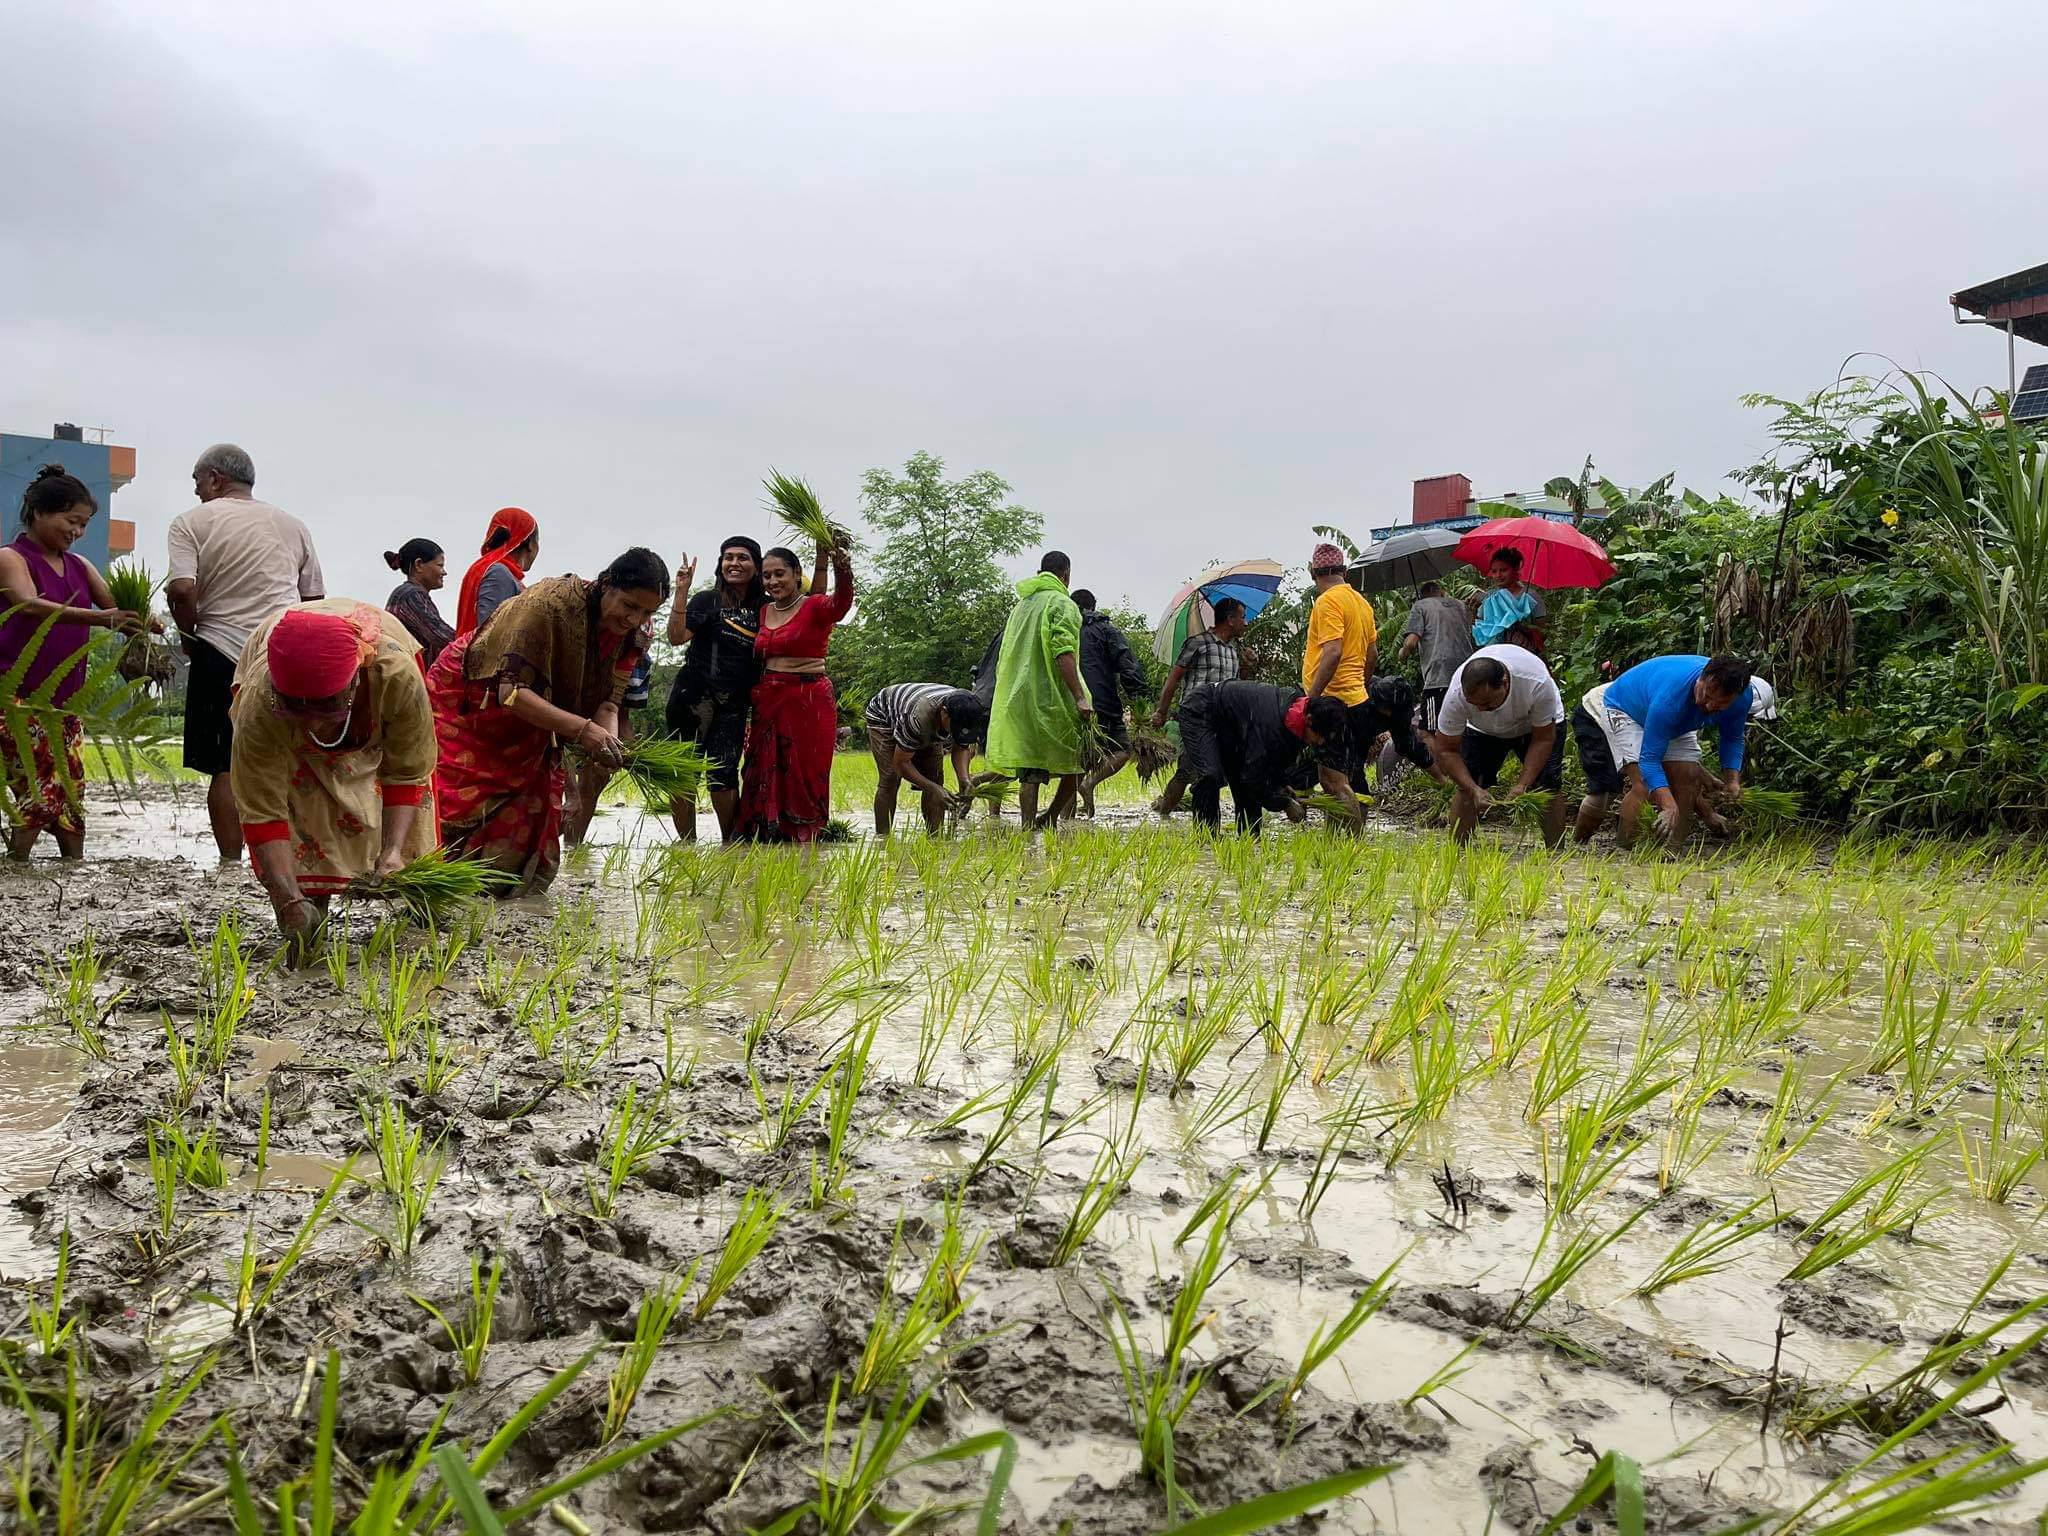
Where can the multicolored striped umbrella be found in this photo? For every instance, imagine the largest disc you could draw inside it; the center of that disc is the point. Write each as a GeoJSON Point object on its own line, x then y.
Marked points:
{"type": "Point", "coordinates": [1193, 608]}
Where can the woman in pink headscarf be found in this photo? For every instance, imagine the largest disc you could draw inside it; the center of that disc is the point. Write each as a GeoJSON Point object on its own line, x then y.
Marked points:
{"type": "Point", "coordinates": [334, 754]}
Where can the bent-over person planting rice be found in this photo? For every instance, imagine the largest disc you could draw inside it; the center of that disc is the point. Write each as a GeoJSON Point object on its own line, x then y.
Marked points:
{"type": "Point", "coordinates": [549, 670]}
{"type": "Point", "coordinates": [334, 755]}
{"type": "Point", "coordinates": [910, 726]}
{"type": "Point", "coordinates": [1639, 736]}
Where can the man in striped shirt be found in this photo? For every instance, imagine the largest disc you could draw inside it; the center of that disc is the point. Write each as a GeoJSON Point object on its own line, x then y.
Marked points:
{"type": "Point", "coordinates": [1206, 659]}
{"type": "Point", "coordinates": [910, 725]}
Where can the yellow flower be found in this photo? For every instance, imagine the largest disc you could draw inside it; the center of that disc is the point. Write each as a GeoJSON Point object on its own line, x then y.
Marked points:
{"type": "Point", "coordinates": [1890, 518]}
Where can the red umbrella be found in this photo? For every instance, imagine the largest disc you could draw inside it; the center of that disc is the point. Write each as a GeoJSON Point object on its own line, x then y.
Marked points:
{"type": "Point", "coordinates": [1553, 554]}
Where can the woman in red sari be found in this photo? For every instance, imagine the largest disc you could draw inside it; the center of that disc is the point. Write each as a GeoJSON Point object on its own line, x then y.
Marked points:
{"type": "Point", "coordinates": [511, 545]}
{"type": "Point", "coordinates": [786, 790]}
{"type": "Point", "coordinates": [549, 669]}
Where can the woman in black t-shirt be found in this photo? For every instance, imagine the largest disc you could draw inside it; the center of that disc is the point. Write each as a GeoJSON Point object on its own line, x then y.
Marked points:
{"type": "Point", "coordinates": [708, 702]}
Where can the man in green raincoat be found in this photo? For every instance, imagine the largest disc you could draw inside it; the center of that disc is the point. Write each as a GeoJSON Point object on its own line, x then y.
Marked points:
{"type": "Point", "coordinates": [1035, 729]}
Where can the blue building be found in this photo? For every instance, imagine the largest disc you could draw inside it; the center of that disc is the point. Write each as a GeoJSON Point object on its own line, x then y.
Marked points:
{"type": "Point", "coordinates": [104, 468]}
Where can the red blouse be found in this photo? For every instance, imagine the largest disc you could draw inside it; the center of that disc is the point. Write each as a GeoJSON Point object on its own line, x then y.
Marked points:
{"type": "Point", "coordinates": [809, 630]}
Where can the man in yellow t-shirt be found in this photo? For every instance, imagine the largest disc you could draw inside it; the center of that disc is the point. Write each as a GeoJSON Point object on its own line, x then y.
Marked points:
{"type": "Point", "coordinates": [1343, 647]}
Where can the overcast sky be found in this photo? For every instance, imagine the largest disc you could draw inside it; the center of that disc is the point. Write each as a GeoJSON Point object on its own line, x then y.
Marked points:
{"type": "Point", "coordinates": [1191, 277]}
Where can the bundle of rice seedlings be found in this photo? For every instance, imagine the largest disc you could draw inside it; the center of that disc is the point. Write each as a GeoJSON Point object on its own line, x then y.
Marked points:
{"type": "Point", "coordinates": [1152, 752]}
{"type": "Point", "coordinates": [1527, 810]}
{"type": "Point", "coordinates": [434, 887]}
{"type": "Point", "coordinates": [665, 769]}
{"type": "Point", "coordinates": [133, 588]}
{"type": "Point", "coordinates": [798, 504]}
{"type": "Point", "coordinates": [993, 787]}
{"type": "Point", "coordinates": [837, 830]}
{"type": "Point", "coordinates": [1333, 806]}
{"type": "Point", "coordinates": [1095, 742]}
{"type": "Point", "coordinates": [1767, 810]}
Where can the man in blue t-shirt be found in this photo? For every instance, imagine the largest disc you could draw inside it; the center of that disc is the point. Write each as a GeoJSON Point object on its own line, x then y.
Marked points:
{"type": "Point", "coordinates": [1640, 734]}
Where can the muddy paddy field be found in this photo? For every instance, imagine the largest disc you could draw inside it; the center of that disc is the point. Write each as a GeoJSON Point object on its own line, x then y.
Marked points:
{"type": "Point", "coordinates": [1083, 1187]}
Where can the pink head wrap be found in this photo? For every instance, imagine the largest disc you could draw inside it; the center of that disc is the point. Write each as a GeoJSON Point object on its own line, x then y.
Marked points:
{"type": "Point", "coordinates": [315, 655]}
{"type": "Point", "coordinates": [1327, 557]}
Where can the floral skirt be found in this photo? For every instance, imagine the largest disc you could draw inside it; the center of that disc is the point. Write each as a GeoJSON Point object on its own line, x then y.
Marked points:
{"type": "Point", "coordinates": [786, 789]}
{"type": "Point", "coordinates": [39, 795]}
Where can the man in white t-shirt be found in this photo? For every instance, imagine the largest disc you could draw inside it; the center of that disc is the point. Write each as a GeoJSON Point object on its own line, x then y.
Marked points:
{"type": "Point", "coordinates": [1502, 700]}
{"type": "Point", "coordinates": [235, 561]}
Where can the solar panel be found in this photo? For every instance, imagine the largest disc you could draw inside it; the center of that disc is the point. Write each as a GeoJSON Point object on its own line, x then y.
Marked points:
{"type": "Point", "coordinates": [2031, 403]}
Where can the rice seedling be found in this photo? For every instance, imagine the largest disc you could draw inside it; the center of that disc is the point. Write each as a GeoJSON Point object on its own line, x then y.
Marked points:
{"type": "Point", "coordinates": [1329, 1337]}
{"type": "Point", "coordinates": [798, 506]}
{"type": "Point", "coordinates": [1159, 1391]}
{"type": "Point", "coordinates": [1115, 1165]}
{"type": "Point", "coordinates": [225, 993]}
{"type": "Point", "coordinates": [634, 1135]}
{"type": "Point", "coordinates": [1592, 1144]}
{"type": "Point", "coordinates": [194, 1160]}
{"type": "Point", "coordinates": [1884, 1196]}
{"type": "Point", "coordinates": [1579, 1250]}
{"type": "Point", "coordinates": [829, 1174]}
{"type": "Point", "coordinates": [337, 959]}
{"type": "Point", "coordinates": [471, 1338]}
{"type": "Point", "coordinates": [1012, 1103]}
{"type": "Point", "coordinates": [1709, 1247]}
{"type": "Point", "coordinates": [47, 1325]}
{"type": "Point", "coordinates": [73, 991]}
{"type": "Point", "coordinates": [89, 1471]}
{"type": "Point", "coordinates": [1349, 810]}
{"type": "Point", "coordinates": [434, 889]}
{"type": "Point", "coordinates": [849, 1497]}
{"type": "Point", "coordinates": [1776, 1143]}
{"type": "Point", "coordinates": [658, 1309]}
{"type": "Point", "coordinates": [902, 1332]}
{"type": "Point", "coordinates": [1766, 812]}
{"type": "Point", "coordinates": [132, 587]}
{"type": "Point", "coordinates": [499, 981]}
{"type": "Point", "coordinates": [1152, 752]}
{"type": "Point", "coordinates": [665, 769]}
{"type": "Point", "coordinates": [408, 1170]}
{"type": "Point", "coordinates": [1996, 1160]}
{"type": "Point", "coordinates": [250, 1303]}
{"type": "Point", "coordinates": [165, 1182]}
{"type": "Point", "coordinates": [397, 1001]}
{"type": "Point", "coordinates": [441, 1063]}
{"type": "Point", "coordinates": [752, 1226]}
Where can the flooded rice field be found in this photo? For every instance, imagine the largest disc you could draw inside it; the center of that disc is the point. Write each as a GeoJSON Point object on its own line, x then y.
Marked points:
{"type": "Point", "coordinates": [1078, 1186]}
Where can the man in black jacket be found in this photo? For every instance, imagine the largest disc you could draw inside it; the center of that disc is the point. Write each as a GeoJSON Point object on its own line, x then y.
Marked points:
{"type": "Point", "coordinates": [1114, 677]}
{"type": "Point", "coordinates": [1262, 733]}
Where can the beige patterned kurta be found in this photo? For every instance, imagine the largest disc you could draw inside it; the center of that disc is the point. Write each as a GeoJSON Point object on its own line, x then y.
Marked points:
{"type": "Point", "coordinates": [330, 801]}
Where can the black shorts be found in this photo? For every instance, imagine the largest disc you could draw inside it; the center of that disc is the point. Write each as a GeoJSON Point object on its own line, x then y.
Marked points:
{"type": "Point", "coordinates": [1432, 705]}
{"type": "Point", "coordinates": [1603, 777]}
{"type": "Point", "coordinates": [717, 722]}
{"type": "Point", "coordinates": [209, 690]}
{"type": "Point", "coordinates": [1484, 754]}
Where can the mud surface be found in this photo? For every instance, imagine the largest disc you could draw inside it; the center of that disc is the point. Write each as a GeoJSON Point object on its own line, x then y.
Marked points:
{"type": "Point", "coordinates": [719, 987]}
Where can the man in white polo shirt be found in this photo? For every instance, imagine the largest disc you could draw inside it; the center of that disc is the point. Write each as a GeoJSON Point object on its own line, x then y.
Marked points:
{"type": "Point", "coordinates": [1502, 700]}
{"type": "Point", "coordinates": [235, 561]}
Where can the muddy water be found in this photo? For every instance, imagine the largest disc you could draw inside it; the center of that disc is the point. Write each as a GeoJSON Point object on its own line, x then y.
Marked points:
{"type": "Point", "coordinates": [1677, 1382]}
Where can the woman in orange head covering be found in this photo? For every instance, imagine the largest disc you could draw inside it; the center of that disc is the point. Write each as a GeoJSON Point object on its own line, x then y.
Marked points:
{"type": "Point", "coordinates": [334, 754]}
{"type": "Point", "coordinates": [511, 545]}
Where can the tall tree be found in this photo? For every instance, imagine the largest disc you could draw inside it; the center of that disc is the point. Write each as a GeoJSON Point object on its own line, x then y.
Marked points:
{"type": "Point", "coordinates": [934, 590]}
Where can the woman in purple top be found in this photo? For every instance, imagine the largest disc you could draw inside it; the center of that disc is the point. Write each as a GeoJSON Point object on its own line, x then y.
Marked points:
{"type": "Point", "coordinates": [39, 576]}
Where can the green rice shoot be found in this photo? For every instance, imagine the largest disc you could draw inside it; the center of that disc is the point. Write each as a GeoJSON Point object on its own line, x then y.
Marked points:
{"type": "Point", "coordinates": [133, 588]}
{"type": "Point", "coordinates": [1528, 809]}
{"type": "Point", "coordinates": [1767, 810]}
{"type": "Point", "coordinates": [434, 887]}
{"type": "Point", "coordinates": [799, 507]}
{"type": "Point", "coordinates": [665, 769]}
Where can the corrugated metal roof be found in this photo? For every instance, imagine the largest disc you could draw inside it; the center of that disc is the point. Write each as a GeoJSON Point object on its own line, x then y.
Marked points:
{"type": "Point", "coordinates": [2021, 298]}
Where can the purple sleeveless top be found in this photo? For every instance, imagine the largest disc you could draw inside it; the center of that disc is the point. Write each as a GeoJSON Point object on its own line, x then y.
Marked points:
{"type": "Point", "coordinates": [65, 642]}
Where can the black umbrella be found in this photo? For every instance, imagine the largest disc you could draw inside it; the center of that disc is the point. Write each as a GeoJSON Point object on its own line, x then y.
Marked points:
{"type": "Point", "coordinates": [1407, 559]}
